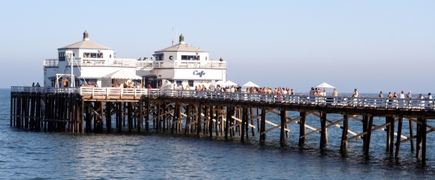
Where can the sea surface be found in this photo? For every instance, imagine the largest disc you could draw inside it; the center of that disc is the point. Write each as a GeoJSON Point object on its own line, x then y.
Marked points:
{"type": "Point", "coordinates": [42, 155]}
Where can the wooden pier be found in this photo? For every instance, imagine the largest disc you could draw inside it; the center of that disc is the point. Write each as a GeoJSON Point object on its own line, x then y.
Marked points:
{"type": "Point", "coordinates": [225, 115]}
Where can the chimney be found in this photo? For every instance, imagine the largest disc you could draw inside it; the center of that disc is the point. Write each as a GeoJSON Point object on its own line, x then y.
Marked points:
{"type": "Point", "coordinates": [85, 36]}
{"type": "Point", "coordinates": [182, 39]}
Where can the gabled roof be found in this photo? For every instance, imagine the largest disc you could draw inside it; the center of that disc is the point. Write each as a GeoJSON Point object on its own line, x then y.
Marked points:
{"type": "Point", "coordinates": [85, 44]}
{"type": "Point", "coordinates": [181, 47]}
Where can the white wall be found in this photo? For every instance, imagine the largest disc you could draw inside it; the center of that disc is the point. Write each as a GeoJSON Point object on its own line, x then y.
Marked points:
{"type": "Point", "coordinates": [199, 74]}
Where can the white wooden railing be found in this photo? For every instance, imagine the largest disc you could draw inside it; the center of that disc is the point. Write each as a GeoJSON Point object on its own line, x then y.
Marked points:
{"type": "Point", "coordinates": [138, 64]}
{"type": "Point", "coordinates": [302, 99]}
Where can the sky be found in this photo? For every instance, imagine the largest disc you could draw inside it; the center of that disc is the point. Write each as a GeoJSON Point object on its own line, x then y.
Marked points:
{"type": "Point", "coordinates": [369, 45]}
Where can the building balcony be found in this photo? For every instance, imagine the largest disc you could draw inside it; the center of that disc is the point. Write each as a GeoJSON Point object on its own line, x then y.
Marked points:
{"type": "Point", "coordinates": [140, 65]}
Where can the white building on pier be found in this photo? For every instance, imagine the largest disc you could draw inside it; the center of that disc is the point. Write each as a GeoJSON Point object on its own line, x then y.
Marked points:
{"type": "Point", "coordinates": [97, 65]}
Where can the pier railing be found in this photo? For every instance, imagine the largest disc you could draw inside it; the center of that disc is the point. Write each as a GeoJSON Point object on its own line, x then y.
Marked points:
{"type": "Point", "coordinates": [302, 99]}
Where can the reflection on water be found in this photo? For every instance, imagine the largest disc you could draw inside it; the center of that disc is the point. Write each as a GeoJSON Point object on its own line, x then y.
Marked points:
{"type": "Point", "coordinates": [56, 155]}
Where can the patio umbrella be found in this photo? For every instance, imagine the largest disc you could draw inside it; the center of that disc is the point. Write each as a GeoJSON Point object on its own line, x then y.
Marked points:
{"type": "Point", "coordinates": [230, 83]}
{"type": "Point", "coordinates": [250, 84]}
{"type": "Point", "coordinates": [218, 83]}
{"type": "Point", "coordinates": [324, 85]}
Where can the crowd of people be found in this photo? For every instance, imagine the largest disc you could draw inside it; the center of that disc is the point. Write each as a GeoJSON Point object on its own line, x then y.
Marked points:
{"type": "Point", "coordinates": [314, 92]}
{"type": "Point", "coordinates": [403, 96]}
{"type": "Point", "coordinates": [238, 88]}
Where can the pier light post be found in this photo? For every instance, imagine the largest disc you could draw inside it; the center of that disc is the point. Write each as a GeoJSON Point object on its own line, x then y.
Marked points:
{"type": "Point", "coordinates": [69, 55]}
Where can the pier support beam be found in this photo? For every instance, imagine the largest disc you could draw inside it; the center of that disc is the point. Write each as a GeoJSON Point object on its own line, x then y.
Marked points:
{"type": "Point", "coordinates": [368, 136]}
{"type": "Point", "coordinates": [391, 142]}
{"type": "Point", "coordinates": [283, 114]}
{"type": "Point", "coordinates": [302, 128]}
{"type": "Point", "coordinates": [140, 119]}
{"type": "Point", "coordinates": [198, 120]}
{"type": "Point", "coordinates": [243, 123]}
{"type": "Point", "coordinates": [229, 119]}
{"type": "Point", "coordinates": [263, 126]}
{"type": "Point", "coordinates": [398, 138]}
{"type": "Point", "coordinates": [108, 117]}
{"type": "Point", "coordinates": [411, 134]}
{"type": "Point", "coordinates": [423, 142]}
{"type": "Point", "coordinates": [323, 131]}
{"type": "Point", "coordinates": [343, 146]}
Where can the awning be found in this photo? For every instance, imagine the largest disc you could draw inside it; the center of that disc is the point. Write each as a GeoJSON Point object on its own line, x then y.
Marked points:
{"type": "Point", "coordinates": [122, 74]}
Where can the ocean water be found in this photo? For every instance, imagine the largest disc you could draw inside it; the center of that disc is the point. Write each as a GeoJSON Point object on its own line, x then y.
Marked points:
{"type": "Point", "coordinates": [41, 155]}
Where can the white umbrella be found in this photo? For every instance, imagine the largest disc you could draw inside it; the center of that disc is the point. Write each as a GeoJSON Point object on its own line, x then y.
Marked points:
{"type": "Point", "coordinates": [218, 83]}
{"type": "Point", "coordinates": [230, 83]}
{"type": "Point", "coordinates": [325, 85]}
{"type": "Point", "coordinates": [250, 84]}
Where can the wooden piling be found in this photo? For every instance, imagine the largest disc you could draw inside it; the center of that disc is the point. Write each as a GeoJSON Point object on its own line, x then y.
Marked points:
{"type": "Point", "coordinates": [210, 122]}
{"type": "Point", "coordinates": [391, 143]}
{"type": "Point", "coordinates": [227, 122]}
{"type": "Point", "coordinates": [242, 127]}
{"type": "Point", "coordinates": [423, 141]}
{"type": "Point", "coordinates": [343, 146]}
{"type": "Point", "coordinates": [368, 136]}
{"type": "Point", "coordinates": [398, 138]}
{"type": "Point", "coordinates": [411, 134]}
{"type": "Point", "coordinates": [263, 126]}
{"type": "Point", "coordinates": [283, 115]}
{"type": "Point", "coordinates": [323, 131]}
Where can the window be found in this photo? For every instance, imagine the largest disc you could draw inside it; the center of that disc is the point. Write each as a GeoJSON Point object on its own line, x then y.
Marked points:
{"type": "Point", "coordinates": [93, 55]}
{"type": "Point", "coordinates": [179, 82]}
{"type": "Point", "coordinates": [158, 57]}
{"type": "Point", "coordinates": [190, 57]}
{"type": "Point", "coordinates": [190, 82]}
{"type": "Point", "coordinates": [62, 56]}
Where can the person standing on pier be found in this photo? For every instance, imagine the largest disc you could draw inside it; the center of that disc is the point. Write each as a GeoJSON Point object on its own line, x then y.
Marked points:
{"type": "Point", "coordinates": [335, 93]}
{"type": "Point", "coordinates": [402, 95]}
{"type": "Point", "coordinates": [312, 92]}
{"type": "Point", "coordinates": [409, 96]}
{"type": "Point", "coordinates": [239, 88]}
{"type": "Point", "coordinates": [355, 93]}
{"type": "Point", "coordinates": [381, 95]}
{"type": "Point", "coordinates": [390, 95]}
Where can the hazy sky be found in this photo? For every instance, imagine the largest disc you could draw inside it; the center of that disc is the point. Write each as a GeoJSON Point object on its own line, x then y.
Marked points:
{"type": "Point", "coordinates": [369, 45]}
